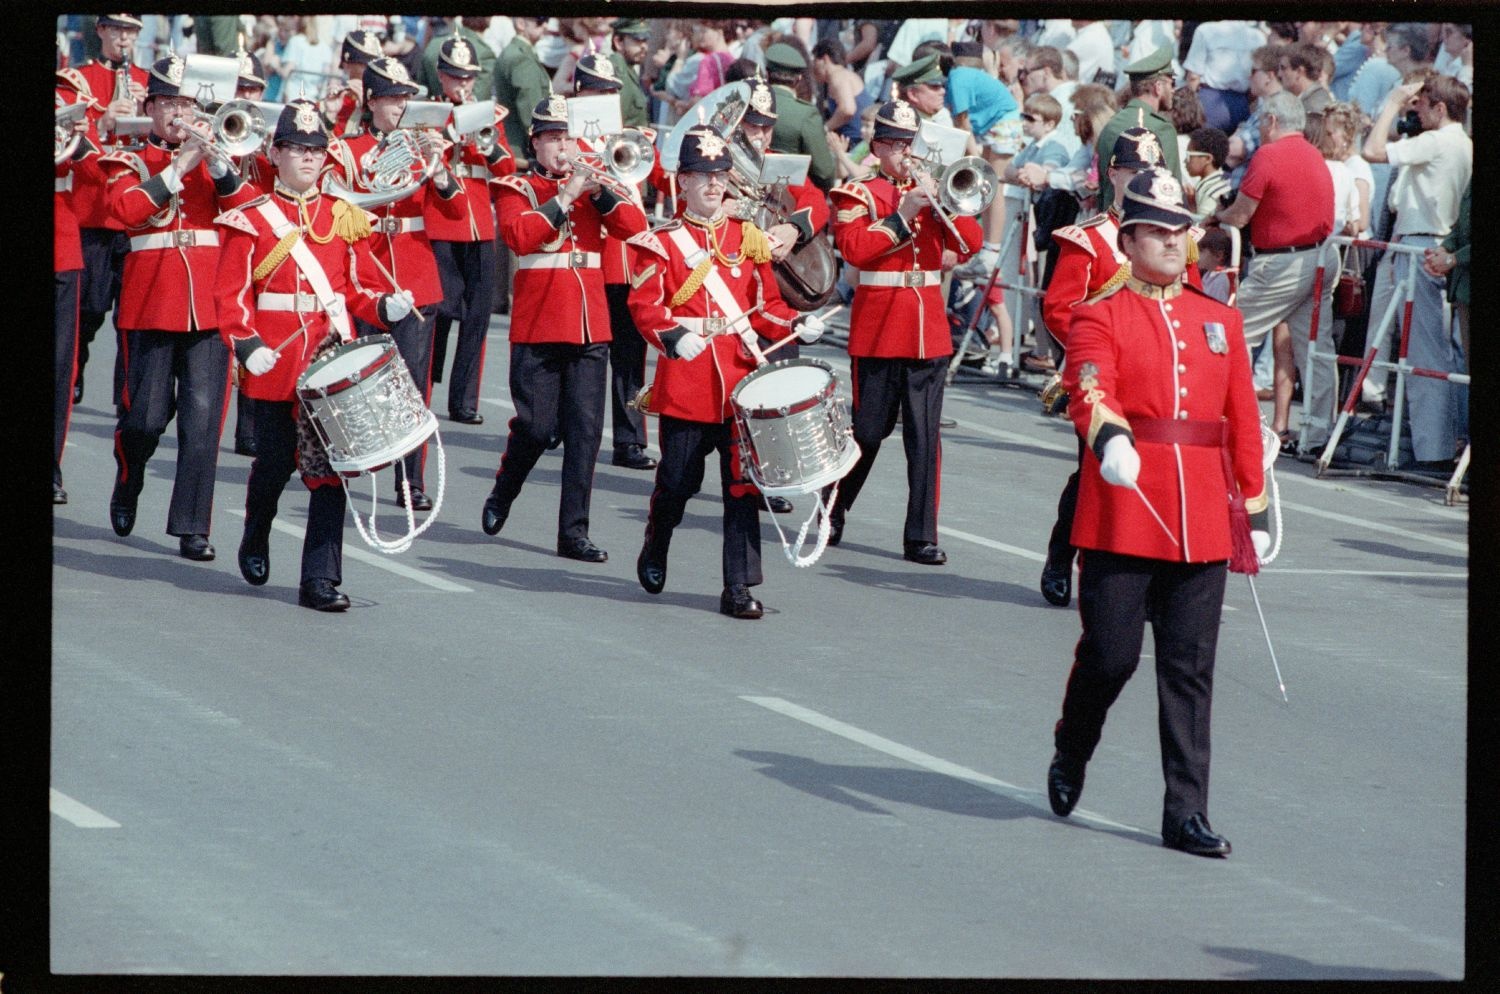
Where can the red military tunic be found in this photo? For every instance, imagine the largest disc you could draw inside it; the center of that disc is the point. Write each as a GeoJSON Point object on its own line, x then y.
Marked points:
{"type": "Point", "coordinates": [248, 318]}
{"type": "Point", "coordinates": [90, 197]}
{"type": "Point", "coordinates": [898, 310]}
{"type": "Point", "coordinates": [470, 215]}
{"type": "Point", "coordinates": [616, 255]}
{"type": "Point", "coordinates": [1173, 354]}
{"type": "Point", "coordinates": [1089, 262]}
{"type": "Point", "coordinates": [67, 247]}
{"type": "Point", "coordinates": [168, 279]}
{"type": "Point", "coordinates": [699, 389]}
{"type": "Point", "coordinates": [400, 241]}
{"type": "Point", "coordinates": [559, 280]}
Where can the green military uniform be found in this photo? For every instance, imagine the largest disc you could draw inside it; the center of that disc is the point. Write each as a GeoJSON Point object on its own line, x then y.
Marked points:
{"type": "Point", "coordinates": [799, 126]}
{"type": "Point", "coordinates": [484, 83]}
{"type": "Point", "coordinates": [634, 110]}
{"type": "Point", "coordinates": [521, 82]}
{"type": "Point", "coordinates": [1137, 113]}
{"type": "Point", "coordinates": [1457, 243]}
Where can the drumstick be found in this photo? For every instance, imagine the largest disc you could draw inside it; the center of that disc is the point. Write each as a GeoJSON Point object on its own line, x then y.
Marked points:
{"type": "Point", "coordinates": [793, 337]}
{"type": "Point", "coordinates": [299, 331]}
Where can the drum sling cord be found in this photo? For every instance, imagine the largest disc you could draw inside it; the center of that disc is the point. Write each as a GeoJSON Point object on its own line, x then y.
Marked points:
{"type": "Point", "coordinates": [822, 513]}
{"type": "Point", "coordinates": [372, 537]}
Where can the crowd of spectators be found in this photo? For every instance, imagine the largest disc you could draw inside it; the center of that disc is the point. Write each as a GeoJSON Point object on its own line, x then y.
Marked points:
{"type": "Point", "coordinates": [1288, 131]}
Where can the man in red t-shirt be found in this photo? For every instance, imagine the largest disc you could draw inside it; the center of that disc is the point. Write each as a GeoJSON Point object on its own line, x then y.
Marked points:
{"type": "Point", "coordinates": [1286, 199]}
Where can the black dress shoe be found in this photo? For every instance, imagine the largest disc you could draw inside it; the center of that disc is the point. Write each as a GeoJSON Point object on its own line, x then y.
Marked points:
{"type": "Point", "coordinates": [419, 500]}
{"type": "Point", "coordinates": [1192, 835]}
{"type": "Point", "coordinates": [322, 595]}
{"type": "Point", "coordinates": [59, 495]}
{"type": "Point", "coordinates": [1057, 584]}
{"type": "Point", "coordinates": [633, 457]}
{"type": "Point", "coordinates": [926, 553]}
{"type": "Point", "coordinates": [779, 505]}
{"type": "Point", "coordinates": [121, 512]}
{"type": "Point", "coordinates": [737, 602]}
{"type": "Point", "coordinates": [195, 547]}
{"type": "Point", "coordinates": [495, 513]}
{"type": "Point", "coordinates": [466, 417]}
{"type": "Point", "coordinates": [1064, 783]}
{"type": "Point", "coordinates": [581, 549]}
{"type": "Point", "coordinates": [650, 571]}
{"type": "Point", "coordinates": [255, 561]}
{"type": "Point", "coordinates": [835, 525]}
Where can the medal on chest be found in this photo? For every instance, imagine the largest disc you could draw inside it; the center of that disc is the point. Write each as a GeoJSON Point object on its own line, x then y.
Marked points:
{"type": "Point", "coordinates": [1218, 343]}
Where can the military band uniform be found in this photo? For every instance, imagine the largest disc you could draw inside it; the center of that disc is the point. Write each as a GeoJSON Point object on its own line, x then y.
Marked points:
{"type": "Point", "coordinates": [461, 230]}
{"type": "Point", "coordinates": [899, 341]}
{"type": "Point", "coordinates": [690, 276]}
{"type": "Point", "coordinates": [1163, 369]}
{"type": "Point", "coordinates": [399, 243]}
{"type": "Point", "coordinates": [799, 124]}
{"type": "Point", "coordinates": [559, 334]}
{"type": "Point", "coordinates": [265, 296]}
{"type": "Point", "coordinates": [175, 363]}
{"type": "Point", "coordinates": [102, 237]}
{"type": "Point", "coordinates": [67, 276]}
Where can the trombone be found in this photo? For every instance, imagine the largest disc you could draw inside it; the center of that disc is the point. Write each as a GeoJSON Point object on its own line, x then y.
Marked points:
{"type": "Point", "coordinates": [963, 188]}
{"type": "Point", "coordinates": [623, 160]}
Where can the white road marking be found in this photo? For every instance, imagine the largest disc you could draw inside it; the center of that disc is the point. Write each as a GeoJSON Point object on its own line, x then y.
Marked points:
{"type": "Point", "coordinates": [385, 563]}
{"type": "Point", "coordinates": [1031, 798]}
{"type": "Point", "coordinates": [1369, 572]}
{"type": "Point", "coordinates": [1035, 557]}
{"type": "Point", "coordinates": [1349, 519]}
{"type": "Point", "coordinates": [76, 812]}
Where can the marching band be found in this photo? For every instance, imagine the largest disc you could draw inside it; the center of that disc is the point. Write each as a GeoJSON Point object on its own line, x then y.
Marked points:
{"type": "Point", "coordinates": [304, 247]}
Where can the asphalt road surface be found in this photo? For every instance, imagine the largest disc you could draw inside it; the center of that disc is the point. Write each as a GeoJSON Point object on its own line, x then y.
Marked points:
{"type": "Point", "coordinates": [504, 762]}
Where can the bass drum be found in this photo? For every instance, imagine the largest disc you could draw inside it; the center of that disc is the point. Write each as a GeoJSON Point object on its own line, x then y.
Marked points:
{"type": "Point", "coordinates": [806, 278]}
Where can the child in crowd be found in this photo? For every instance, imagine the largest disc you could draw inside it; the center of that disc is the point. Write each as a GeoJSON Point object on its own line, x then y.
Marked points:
{"type": "Point", "coordinates": [1207, 149]}
{"type": "Point", "coordinates": [1213, 262]}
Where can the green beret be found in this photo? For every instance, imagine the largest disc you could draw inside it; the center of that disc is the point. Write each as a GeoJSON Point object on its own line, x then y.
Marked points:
{"type": "Point", "coordinates": [784, 56]}
{"type": "Point", "coordinates": [635, 27]}
{"type": "Point", "coordinates": [1155, 64]}
{"type": "Point", "coordinates": [924, 70]}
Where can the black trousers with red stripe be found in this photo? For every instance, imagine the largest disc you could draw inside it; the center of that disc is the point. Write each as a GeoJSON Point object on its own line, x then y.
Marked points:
{"type": "Point", "coordinates": [413, 335]}
{"type": "Point", "coordinates": [275, 462]}
{"type": "Point", "coordinates": [183, 374]}
{"type": "Point", "coordinates": [467, 272]}
{"type": "Point", "coordinates": [65, 335]}
{"type": "Point", "coordinates": [912, 389]}
{"type": "Point", "coordinates": [558, 391]}
{"type": "Point", "coordinates": [1117, 596]}
{"type": "Point", "coordinates": [685, 447]}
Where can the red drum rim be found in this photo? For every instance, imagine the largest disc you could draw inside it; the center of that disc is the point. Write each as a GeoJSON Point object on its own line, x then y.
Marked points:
{"type": "Point", "coordinates": [338, 386]}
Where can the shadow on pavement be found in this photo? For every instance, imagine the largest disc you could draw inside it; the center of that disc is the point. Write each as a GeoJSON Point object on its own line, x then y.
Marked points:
{"type": "Point", "coordinates": [1277, 966]}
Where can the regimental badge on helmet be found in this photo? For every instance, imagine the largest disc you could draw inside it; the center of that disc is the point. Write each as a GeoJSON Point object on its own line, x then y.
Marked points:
{"type": "Point", "coordinates": [174, 70]}
{"type": "Point", "coordinates": [307, 119]}
{"type": "Point", "coordinates": [711, 146]}
{"type": "Point", "coordinates": [1155, 197]}
{"type": "Point", "coordinates": [557, 106]}
{"type": "Point", "coordinates": [1136, 148]}
{"type": "Point", "coordinates": [762, 100]}
{"type": "Point", "coordinates": [906, 115]}
{"type": "Point", "coordinates": [461, 52]}
{"type": "Point", "coordinates": [1164, 187]}
{"type": "Point", "coordinates": [395, 71]}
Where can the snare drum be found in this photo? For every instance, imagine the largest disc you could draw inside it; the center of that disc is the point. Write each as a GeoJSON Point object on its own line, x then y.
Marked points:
{"type": "Point", "coordinates": [795, 432]}
{"type": "Point", "coordinates": [363, 405]}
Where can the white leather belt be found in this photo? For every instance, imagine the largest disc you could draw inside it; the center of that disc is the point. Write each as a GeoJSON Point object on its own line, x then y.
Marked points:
{"type": "Point", "coordinates": [62, 184]}
{"type": "Point", "coordinates": [399, 225]}
{"type": "Point", "coordinates": [181, 238]}
{"type": "Point", "coordinates": [712, 326]}
{"type": "Point", "coordinates": [910, 277]}
{"type": "Point", "coordinates": [464, 170]}
{"type": "Point", "coordinates": [560, 260]}
{"type": "Point", "coordinates": [299, 302]}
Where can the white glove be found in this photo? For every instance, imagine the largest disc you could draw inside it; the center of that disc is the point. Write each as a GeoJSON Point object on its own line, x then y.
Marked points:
{"type": "Point", "coordinates": [397, 305]}
{"type": "Point", "coordinates": [260, 361]}
{"type": "Point", "coordinates": [1121, 463]}
{"type": "Point", "coordinates": [691, 346]}
{"type": "Point", "coordinates": [1262, 542]}
{"type": "Point", "coordinates": [810, 328]}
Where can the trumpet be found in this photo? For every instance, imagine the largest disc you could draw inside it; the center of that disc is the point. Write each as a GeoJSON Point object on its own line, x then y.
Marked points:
{"type": "Point", "coordinates": [241, 126]}
{"type": "Point", "coordinates": [210, 148]}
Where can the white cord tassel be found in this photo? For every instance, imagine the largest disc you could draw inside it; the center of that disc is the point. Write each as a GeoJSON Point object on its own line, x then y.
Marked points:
{"type": "Point", "coordinates": [1271, 446]}
{"type": "Point", "coordinates": [394, 547]}
{"type": "Point", "coordinates": [823, 514]}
